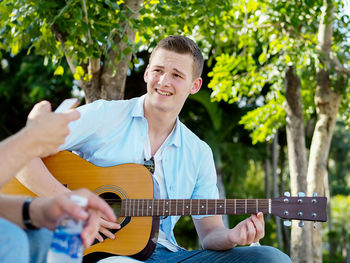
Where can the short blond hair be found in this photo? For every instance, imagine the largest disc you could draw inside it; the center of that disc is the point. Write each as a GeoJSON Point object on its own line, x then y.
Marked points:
{"type": "Point", "coordinates": [183, 45]}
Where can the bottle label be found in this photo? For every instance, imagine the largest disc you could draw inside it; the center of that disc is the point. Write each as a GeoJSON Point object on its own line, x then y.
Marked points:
{"type": "Point", "coordinates": [67, 243]}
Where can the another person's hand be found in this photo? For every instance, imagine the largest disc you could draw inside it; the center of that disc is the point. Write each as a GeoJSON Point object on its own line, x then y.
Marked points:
{"type": "Point", "coordinates": [249, 231]}
{"type": "Point", "coordinates": [47, 129]}
{"type": "Point", "coordinates": [45, 212]}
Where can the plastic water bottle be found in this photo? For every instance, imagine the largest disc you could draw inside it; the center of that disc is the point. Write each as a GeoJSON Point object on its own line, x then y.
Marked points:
{"type": "Point", "coordinates": [66, 245]}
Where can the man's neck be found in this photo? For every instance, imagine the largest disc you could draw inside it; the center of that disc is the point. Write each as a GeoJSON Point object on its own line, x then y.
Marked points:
{"type": "Point", "coordinates": [160, 125]}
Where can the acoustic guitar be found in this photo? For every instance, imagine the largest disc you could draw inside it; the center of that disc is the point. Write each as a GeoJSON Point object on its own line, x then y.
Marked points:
{"type": "Point", "coordinates": [128, 188]}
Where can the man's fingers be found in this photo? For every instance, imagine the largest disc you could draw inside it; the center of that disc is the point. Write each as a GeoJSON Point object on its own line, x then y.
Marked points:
{"type": "Point", "coordinates": [251, 232]}
{"type": "Point", "coordinates": [107, 233]}
{"type": "Point", "coordinates": [97, 203]}
{"type": "Point", "coordinates": [258, 222]}
{"type": "Point", "coordinates": [43, 106]}
{"type": "Point", "coordinates": [39, 108]}
{"type": "Point", "coordinates": [71, 115]}
{"type": "Point", "coordinates": [99, 237]}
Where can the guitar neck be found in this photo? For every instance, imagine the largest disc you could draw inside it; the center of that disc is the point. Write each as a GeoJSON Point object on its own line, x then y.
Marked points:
{"type": "Point", "coordinates": [180, 207]}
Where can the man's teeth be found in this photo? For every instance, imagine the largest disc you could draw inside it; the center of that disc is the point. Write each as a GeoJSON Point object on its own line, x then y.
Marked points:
{"type": "Point", "coordinates": [164, 93]}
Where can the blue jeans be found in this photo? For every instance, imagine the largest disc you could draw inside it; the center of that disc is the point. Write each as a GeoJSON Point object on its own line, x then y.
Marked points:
{"type": "Point", "coordinates": [256, 254]}
{"type": "Point", "coordinates": [23, 246]}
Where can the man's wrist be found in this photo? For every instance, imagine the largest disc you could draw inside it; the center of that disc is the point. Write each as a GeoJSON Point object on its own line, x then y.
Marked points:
{"type": "Point", "coordinates": [26, 214]}
{"type": "Point", "coordinates": [33, 147]}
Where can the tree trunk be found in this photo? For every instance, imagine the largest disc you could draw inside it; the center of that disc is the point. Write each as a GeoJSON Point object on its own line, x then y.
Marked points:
{"type": "Point", "coordinates": [113, 79]}
{"type": "Point", "coordinates": [108, 81]}
{"type": "Point", "coordinates": [300, 237]}
{"type": "Point", "coordinates": [275, 187]}
{"type": "Point", "coordinates": [327, 103]}
{"type": "Point", "coordinates": [285, 230]}
{"type": "Point", "coordinates": [267, 166]}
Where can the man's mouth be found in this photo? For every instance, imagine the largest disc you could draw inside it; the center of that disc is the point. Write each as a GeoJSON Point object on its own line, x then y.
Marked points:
{"type": "Point", "coordinates": [164, 93]}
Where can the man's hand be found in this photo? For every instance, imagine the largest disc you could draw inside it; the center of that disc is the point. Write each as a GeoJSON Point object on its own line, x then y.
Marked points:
{"type": "Point", "coordinates": [45, 212]}
{"type": "Point", "coordinates": [48, 130]}
{"type": "Point", "coordinates": [214, 235]}
{"type": "Point", "coordinates": [249, 231]}
{"type": "Point", "coordinates": [105, 225]}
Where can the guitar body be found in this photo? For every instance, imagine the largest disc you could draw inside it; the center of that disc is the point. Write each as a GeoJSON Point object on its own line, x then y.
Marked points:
{"type": "Point", "coordinates": [127, 181]}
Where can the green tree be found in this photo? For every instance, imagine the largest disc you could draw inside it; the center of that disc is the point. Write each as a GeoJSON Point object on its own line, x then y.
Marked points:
{"type": "Point", "coordinates": [276, 46]}
{"type": "Point", "coordinates": [95, 37]}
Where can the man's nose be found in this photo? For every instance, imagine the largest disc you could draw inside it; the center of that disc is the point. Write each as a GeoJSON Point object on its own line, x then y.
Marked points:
{"type": "Point", "coordinates": [164, 80]}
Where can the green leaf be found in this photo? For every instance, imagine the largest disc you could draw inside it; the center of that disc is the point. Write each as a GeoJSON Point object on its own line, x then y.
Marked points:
{"type": "Point", "coordinates": [59, 71]}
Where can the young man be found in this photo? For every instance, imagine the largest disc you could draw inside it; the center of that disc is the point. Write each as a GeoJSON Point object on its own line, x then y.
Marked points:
{"type": "Point", "coordinates": [148, 128]}
{"type": "Point", "coordinates": [44, 133]}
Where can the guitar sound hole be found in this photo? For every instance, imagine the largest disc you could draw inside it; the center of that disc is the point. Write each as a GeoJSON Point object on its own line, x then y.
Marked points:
{"type": "Point", "coordinates": [114, 201]}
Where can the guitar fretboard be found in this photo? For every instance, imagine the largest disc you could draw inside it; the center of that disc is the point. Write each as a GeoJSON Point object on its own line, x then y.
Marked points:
{"type": "Point", "coordinates": [179, 207]}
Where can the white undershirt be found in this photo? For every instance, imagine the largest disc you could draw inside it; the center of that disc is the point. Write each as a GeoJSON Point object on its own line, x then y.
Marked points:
{"type": "Point", "coordinates": [159, 177]}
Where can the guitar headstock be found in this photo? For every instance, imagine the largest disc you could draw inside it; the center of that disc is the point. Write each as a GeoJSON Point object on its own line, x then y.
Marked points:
{"type": "Point", "coordinates": [300, 208]}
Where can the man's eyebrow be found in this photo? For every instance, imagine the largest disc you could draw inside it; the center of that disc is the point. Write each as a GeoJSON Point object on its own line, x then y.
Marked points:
{"type": "Point", "coordinates": [158, 66]}
{"type": "Point", "coordinates": [178, 71]}
{"type": "Point", "coordinates": [174, 69]}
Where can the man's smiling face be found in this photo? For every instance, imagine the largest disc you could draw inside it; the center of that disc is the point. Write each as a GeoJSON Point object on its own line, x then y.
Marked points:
{"type": "Point", "coordinates": [169, 78]}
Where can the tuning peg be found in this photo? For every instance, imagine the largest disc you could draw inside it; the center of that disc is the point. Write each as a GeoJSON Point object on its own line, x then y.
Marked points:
{"type": "Point", "coordinates": [287, 223]}
{"type": "Point", "coordinates": [314, 194]}
{"type": "Point", "coordinates": [315, 224]}
{"type": "Point", "coordinates": [301, 223]}
{"type": "Point", "coordinates": [301, 194]}
{"type": "Point", "coordinates": [287, 194]}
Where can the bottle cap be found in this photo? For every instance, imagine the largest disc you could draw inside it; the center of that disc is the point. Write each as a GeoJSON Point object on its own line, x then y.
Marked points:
{"type": "Point", "coordinates": [79, 200]}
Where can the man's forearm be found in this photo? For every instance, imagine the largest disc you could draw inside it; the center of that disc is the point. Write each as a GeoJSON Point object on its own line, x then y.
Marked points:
{"type": "Point", "coordinates": [11, 208]}
{"type": "Point", "coordinates": [217, 240]}
{"type": "Point", "coordinates": [15, 152]}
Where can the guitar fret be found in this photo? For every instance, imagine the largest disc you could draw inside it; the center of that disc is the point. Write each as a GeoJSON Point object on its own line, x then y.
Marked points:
{"type": "Point", "coordinates": [128, 211]}
{"type": "Point", "coordinates": [257, 205]}
{"type": "Point", "coordinates": [191, 207]}
{"type": "Point", "coordinates": [183, 207]}
{"type": "Point", "coordinates": [130, 206]}
{"type": "Point", "coordinates": [169, 202]}
{"type": "Point", "coordinates": [163, 207]}
{"type": "Point", "coordinates": [143, 201]}
{"type": "Point", "coordinates": [147, 207]}
{"type": "Point", "coordinates": [138, 207]}
{"type": "Point", "coordinates": [207, 207]}
{"type": "Point", "coordinates": [225, 207]}
{"type": "Point", "coordinates": [245, 207]}
{"type": "Point", "coordinates": [176, 207]}
{"type": "Point", "coordinates": [216, 206]}
{"type": "Point", "coordinates": [152, 206]}
{"type": "Point", "coordinates": [158, 208]}
{"type": "Point", "coordinates": [235, 207]}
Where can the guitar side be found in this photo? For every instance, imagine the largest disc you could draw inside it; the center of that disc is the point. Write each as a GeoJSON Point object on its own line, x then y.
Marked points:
{"type": "Point", "coordinates": [127, 181]}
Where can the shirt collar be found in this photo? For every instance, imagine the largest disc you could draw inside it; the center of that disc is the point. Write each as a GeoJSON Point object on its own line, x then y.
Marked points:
{"type": "Point", "coordinates": [175, 138]}
{"type": "Point", "coordinates": [138, 109]}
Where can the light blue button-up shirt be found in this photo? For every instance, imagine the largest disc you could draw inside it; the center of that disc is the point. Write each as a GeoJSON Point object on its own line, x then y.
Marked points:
{"type": "Point", "coordinates": [114, 132]}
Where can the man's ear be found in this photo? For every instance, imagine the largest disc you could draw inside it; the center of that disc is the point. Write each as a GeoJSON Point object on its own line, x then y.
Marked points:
{"type": "Point", "coordinates": [196, 85]}
{"type": "Point", "coordinates": [145, 75]}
